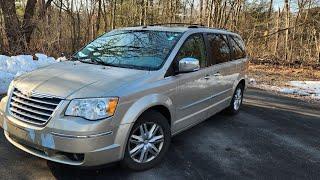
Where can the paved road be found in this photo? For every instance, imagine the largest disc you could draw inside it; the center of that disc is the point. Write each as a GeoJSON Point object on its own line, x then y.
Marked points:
{"type": "Point", "coordinates": [271, 137]}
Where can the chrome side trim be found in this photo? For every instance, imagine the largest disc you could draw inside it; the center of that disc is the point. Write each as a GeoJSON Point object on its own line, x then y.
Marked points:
{"type": "Point", "coordinates": [81, 136]}
{"type": "Point", "coordinates": [215, 104]}
{"type": "Point", "coordinates": [205, 99]}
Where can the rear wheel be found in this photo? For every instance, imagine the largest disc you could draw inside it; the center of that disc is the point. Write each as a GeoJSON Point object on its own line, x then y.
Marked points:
{"type": "Point", "coordinates": [148, 141]}
{"type": "Point", "coordinates": [236, 101]}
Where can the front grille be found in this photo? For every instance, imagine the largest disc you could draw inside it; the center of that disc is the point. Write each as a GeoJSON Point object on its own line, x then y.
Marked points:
{"type": "Point", "coordinates": [34, 110]}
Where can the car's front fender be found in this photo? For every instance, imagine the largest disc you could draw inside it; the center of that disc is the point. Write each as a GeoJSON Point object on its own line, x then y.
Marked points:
{"type": "Point", "coordinates": [144, 103]}
{"type": "Point", "coordinates": [133, 113]}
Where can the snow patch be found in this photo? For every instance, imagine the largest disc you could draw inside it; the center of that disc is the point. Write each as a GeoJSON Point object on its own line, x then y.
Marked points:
{"type": "Point", "coordinates": [14, 66]}
{"type": "Point", "coordinates": [302, 88]}
{"type": "Point", "coordinates": [306, 88]}
{"type": "Point", "coordinates": [63, 58]}
{"type": "Point", "coordinates": [252, 81]}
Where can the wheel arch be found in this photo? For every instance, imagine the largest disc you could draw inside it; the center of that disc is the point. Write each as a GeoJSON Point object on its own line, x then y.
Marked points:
{"type": "Point", "coordinates": [161, 109]}
{"type": "Point", "coordinates": [157, 102]}
{"type": "Point", "coordinates": [241, 81]}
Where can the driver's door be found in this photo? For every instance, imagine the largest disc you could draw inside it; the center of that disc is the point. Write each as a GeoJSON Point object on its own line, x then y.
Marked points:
{"type": "Point", "coordinates": [193, 89]}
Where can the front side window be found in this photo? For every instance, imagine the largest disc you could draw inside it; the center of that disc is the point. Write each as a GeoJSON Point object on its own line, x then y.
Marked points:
{"type": "Point", "coordinates": [137, 49]}
{"type": "Point", "coordinates": [194, 47]}
{"type": "Point", "coordinates": [219, 48]}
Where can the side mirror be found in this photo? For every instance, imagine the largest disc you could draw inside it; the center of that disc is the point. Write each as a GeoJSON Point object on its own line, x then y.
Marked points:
{"type": "Point", "coordinates": [188, 65]}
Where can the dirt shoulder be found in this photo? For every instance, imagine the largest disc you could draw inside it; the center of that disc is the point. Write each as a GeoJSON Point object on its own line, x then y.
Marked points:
{"type": "Point", "coordinates": [277, 78]}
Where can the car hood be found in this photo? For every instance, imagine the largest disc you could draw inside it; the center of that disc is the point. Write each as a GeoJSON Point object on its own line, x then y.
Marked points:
{"type": "Point", "coordinates": [76, 80]}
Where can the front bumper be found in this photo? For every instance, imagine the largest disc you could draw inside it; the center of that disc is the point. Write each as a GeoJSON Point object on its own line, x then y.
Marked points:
{"type": "Point", "coordinates": [83, 150]}
{"type": "Point", "coordinates": [3, 103]}
{"type": "Point", "coordinates": [80, 151]}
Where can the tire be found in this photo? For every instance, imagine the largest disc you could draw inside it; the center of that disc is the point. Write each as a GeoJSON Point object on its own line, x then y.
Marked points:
{"type": "Point", "coordinates": [138, 143]}
{"type": "Point", "coordinates": [236, 102]}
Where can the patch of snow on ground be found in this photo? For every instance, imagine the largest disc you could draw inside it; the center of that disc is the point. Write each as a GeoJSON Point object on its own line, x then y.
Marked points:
{"type": "Point", "coordinates": [302, 88]}
{"type": "Point", "coordinates": [252, 81]}
{"type": "Point", "coordinates": [11, 67]}
{"type": "Point", "coordinates": [306, 88]}
{"type": "Point", "coordinates": [63, 58]}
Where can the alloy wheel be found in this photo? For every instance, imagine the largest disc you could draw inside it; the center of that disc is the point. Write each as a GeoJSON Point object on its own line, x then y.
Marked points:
{"type": "Point", "coordinates": [237, 99]}
{"type": "Point", "coordinates": [146, 142]}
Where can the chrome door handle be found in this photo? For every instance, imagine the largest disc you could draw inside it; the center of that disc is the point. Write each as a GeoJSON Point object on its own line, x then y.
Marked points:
{"type": "Point", "coordinates": [207, 77]}
{"type": "Point", "coordinates": [217, 74]}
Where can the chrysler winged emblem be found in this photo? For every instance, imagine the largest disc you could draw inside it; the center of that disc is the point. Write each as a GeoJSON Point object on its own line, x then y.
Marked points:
{"type": "Point", "coordinates": [29, 94]}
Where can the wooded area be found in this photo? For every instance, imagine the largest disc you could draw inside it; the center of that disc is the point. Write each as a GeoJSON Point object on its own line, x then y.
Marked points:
{"type": "Point", "coordinates": [287, 36]}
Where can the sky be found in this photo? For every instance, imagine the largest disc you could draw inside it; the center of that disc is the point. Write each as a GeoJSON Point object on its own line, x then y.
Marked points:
{"type": "Point", "coordinates": [278, 4]}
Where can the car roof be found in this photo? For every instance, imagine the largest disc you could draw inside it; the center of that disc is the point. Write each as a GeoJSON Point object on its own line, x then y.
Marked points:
{"type": "Point", "coordinates": [191, 28]}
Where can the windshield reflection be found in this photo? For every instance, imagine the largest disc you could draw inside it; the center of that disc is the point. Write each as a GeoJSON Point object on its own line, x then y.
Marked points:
{"type": "Point", "coordinates": [130, 49]}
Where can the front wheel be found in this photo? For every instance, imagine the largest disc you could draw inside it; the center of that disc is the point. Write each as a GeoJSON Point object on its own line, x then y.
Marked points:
{"type": "Point", "coordinates": [236, 101]}
{"type": "Point", "coordinates": [148, 141]}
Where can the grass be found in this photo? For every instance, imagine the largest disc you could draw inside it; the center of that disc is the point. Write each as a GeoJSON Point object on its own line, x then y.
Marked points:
{"type": "Point", "coordinates": [276, 75]}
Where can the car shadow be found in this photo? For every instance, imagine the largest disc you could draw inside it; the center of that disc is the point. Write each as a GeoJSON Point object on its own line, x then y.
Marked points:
{"type": "Point", "coordinates": [169, 167]}
{"type": "Point", "coordinates": [271, 137]}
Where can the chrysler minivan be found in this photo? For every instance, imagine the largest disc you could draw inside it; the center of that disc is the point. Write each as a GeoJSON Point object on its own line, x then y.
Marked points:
{"type": "Point", "coordinates": [124, 95]}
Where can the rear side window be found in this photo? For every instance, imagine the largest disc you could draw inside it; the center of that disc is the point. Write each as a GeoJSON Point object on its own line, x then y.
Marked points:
{"type": "Point", "coordinates": [237, 47]}
{"type": "Point", "coordinates": [219, 48]}
{"type": "Point", "coordinates": [194, 47]}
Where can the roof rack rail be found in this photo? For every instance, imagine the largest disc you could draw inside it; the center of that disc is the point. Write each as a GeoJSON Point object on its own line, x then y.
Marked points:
{"type": "Point", "coordinates": [190, 25]}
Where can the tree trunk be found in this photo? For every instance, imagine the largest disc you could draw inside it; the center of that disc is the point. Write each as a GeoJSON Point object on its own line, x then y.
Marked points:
{"type": "Point", "coordinates": [114, 7]}
{"type": "Point", "coordinates": [184, 11]}
{"type": "Point", "coordinates": [201, 13]}
{"type": "Point", "coordinates": [99, 17]}
{"type": "Point", "coordinates": [12, 26]}
{"type": "Point", "coordinates": [60, 24]}
{"type": "Point", "coordinates": [191, 11]}
{"type": "Point", "coordinates": [145, 12]}
{"type": "Point", "coordinates": [105, 15]}
{"type": "Point", "coordinates": [210, 14]}
{"type": "Point", "coordinates": [277, 35]}
{"type": "Point", "coordinates": [268, 24]}
{"type": "Point", "coordinates": [28, 24]}
{"type": "Point", "coordinates": [287, 30]}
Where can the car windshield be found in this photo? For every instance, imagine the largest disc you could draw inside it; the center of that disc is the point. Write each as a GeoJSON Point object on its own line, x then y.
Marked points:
{"type": "Point", "coordinates": [143, 49]}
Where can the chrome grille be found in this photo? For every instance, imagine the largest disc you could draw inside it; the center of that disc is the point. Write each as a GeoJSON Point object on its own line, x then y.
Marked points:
{"type": "Point", "coordinates": [34, 110]}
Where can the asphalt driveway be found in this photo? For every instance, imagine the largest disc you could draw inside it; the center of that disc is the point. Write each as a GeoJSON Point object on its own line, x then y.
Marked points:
{"type": "Point", "coordinates": [272, 137]}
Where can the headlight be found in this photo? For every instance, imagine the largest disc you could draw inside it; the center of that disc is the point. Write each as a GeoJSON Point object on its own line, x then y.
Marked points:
{"type": "Point", "coordinates": [93, 108]}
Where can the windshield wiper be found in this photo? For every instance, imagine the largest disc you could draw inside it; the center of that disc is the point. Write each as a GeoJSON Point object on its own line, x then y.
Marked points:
{"type": "Point", "coordinates": [99, 61]}
{"type": "Point", "coordinates": [87, 60]}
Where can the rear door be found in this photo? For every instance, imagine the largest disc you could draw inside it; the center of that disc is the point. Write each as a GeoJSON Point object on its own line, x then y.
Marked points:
{"type": "Point", "coordinates": [219, 71]}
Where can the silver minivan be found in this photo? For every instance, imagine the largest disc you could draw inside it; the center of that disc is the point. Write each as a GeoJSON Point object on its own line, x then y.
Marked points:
{"type": "Point", "coordinates": [124, 95]}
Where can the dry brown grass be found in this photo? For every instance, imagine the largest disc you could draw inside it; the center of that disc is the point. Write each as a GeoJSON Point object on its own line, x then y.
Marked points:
{"type": "Point", "coordinates": [279, 75]}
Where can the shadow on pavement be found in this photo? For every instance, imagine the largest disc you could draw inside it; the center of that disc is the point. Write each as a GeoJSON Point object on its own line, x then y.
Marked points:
{"type": "Point", "coordinates": [252, 144]}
